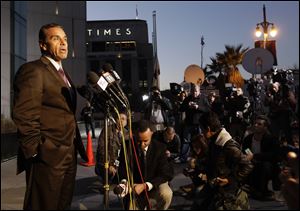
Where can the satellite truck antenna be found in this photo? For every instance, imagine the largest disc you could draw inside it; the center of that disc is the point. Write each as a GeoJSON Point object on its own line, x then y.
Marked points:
{"type": "Point", "coordinates": [257, 61]}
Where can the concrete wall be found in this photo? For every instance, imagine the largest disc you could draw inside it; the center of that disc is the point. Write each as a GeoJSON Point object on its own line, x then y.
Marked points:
{"type": "Point", "coordinates": [5, 59]}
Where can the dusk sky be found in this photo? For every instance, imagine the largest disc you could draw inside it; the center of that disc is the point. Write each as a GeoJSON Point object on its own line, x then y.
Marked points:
{"type": "Point", "coordinates": [180, 25]}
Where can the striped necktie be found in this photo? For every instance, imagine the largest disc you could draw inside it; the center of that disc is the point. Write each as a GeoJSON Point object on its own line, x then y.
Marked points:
{"type": "Point", "coordinates": [63, 76]}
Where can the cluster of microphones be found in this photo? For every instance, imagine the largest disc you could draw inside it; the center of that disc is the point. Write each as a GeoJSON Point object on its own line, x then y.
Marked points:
{"type": "Point", "coordinates": [104, 90]}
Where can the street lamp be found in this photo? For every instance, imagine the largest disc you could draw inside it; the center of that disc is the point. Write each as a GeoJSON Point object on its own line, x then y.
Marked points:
{"type": "Point", "coordinates": [265, 24]}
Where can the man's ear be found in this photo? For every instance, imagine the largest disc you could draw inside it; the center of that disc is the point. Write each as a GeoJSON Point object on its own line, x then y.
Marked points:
{"type": "Point", "coordinates": [209, 131]}
{"type": "Point", "coordinates": [43, 46]}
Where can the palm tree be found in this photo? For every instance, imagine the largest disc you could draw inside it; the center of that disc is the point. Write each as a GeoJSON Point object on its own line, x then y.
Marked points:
{"type": "Point", "coordinates": [229, 60]}
{"type": "Point", "coordinates": [215, 66]}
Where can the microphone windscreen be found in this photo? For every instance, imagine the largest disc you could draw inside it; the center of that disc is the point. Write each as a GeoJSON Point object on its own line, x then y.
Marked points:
{"type": "Point", "coordinates": [92, 77]}
{"type": "Point", "coordinates": [84, 91]}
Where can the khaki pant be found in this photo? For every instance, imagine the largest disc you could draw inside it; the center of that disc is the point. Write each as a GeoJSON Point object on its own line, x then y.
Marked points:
{"type": "Point", "coordinates": [161, 199]}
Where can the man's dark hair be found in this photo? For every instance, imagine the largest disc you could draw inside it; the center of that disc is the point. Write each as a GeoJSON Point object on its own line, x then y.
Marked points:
{"type": "Point", "coordinates": [143, 126]}
{"type": "Point", "coordinates": [154, 88]}
{"type": "Point", "coordinates": [169, 130]}
{"type": "Point", "coordinates": [211, 120]}
{"type": "Point", "coordinates": [265, 119]}
{"type": "Point", "coordinates": [42, 33]}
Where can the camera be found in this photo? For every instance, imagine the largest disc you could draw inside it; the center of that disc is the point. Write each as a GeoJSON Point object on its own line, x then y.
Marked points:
{"type": "Point", "coordinates": [122, 188]}
{"type": "Point", "coordinates": [156, 95]}
{"type": "Point", "coordinates": [188, 171]}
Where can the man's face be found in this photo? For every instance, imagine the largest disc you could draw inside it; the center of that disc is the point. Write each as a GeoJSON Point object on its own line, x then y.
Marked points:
{"type": "Point", "coordinates": [144, 138]}
{"type": "Point", "coordinates": [56, 44]}
{"type": "Point", "coordinates": [123, 119]}
{"type": "Point", "coordinates": [260, 126]}
{"type": "Point", "coordinates": [196, 92]}
{"type": "Point", "coordinates": [169, 136]}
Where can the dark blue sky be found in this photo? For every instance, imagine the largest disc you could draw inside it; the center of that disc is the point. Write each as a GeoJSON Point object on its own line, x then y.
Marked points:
{"type": "Point", "coordinates": [180, 25]}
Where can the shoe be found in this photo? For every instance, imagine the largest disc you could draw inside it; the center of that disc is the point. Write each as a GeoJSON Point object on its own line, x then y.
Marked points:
{"type": "Point", "coordinates": [189, 158]}
{"type": "Point", "coordinates": [177, 161]}
{"type": "Point", "coordinates": [177, 158]}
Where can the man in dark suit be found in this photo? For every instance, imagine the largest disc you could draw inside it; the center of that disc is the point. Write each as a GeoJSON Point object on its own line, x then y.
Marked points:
{"type": "Point", "coordinates": [44, 113]}
{"type": "Point", "coordinates": [152, 184]}
{"type": "Point", "coordinates": [263, 150]}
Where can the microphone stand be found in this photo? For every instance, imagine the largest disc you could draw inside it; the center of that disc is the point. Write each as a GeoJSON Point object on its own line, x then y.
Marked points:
{"type": "Point", "coordinates": [106, 164]}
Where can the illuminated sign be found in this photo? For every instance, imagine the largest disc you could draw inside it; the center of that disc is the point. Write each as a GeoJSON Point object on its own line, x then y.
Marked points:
{"type": "Point", "coordinates": [109, 32]}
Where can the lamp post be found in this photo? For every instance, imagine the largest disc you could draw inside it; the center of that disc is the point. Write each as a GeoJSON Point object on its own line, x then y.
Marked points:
{"type": "Point", "coordinates": [265, 25]}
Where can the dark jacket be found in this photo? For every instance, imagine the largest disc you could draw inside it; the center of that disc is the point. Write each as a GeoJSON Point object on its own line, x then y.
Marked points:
{"type": "Point", "coordinates": [44, 113]}
{"type": "Point", "coordinates": [114, 143]}
{"type": "Point", "coordinates": [226, 160]}
{"type": "Point", "coordinates": [159, 170]}
{"type": "Point", "coordinates": [173, 146]}
{"type": "Point", "coordinates": [269, 146]}
{"type": "Point", "coordinates": [192, 115]}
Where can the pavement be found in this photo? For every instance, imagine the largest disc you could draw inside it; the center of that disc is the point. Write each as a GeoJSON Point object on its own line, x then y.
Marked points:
{"type": "Point", "coordinates": [87, 195]}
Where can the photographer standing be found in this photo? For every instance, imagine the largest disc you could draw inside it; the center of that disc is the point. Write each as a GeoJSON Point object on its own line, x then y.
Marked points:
{"type": "Point", "coordinates": [237, 106]}
{"type": "Point", "coordinates": [194, 106]}
{"type": "Point", "coordinates": [88, 115]}
{"type": "Point", "coordinates": [157, 110]}
{"type": "Point", "coordinates": [282, 104]}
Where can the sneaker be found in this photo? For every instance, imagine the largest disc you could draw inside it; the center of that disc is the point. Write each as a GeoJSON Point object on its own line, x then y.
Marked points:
{"type": "Point", "coordinates": [189, 158]}
{"type": "Point", "coordinates": [177, 161]}
{"type": "Point", "coordinates": [177, 158]}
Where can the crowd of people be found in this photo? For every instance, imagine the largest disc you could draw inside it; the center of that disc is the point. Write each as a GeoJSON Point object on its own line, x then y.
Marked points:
{"type": "Point", "coordinates": [230, 153]}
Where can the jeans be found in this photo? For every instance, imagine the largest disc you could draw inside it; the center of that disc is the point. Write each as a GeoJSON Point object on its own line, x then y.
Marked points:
{"type": "Point", "coordinates": [189, 132]}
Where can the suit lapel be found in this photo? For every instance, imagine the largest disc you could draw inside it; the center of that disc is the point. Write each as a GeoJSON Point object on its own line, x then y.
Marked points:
{"type": "Point", "coordinates": [71, 92]}
{"type": "Point", "coordinates": [53, 71]}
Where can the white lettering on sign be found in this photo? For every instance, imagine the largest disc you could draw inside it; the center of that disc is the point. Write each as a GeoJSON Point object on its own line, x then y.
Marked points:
{"type": "Point", "coordinates": [108, 32]}
{"type": "Point", "coordinates": [128, 32]}
{"type": "Point", "coordinates": [118, 32]}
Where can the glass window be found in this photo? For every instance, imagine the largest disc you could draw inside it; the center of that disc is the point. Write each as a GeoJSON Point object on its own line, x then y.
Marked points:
{"type": "Point", "coordinates": [126, 70]}
{"type": "Point", "coordinates": [98, 46]}
{"type": "Point", "coordinates": [142, 69]}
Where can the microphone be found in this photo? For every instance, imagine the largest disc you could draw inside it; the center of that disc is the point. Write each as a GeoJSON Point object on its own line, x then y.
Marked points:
{"type": "Point", "coordinates": [116, 85]}
{"type": "Point", "coordinates": [122, 188]}
{"type": "Point", "coordinates": [85, 92]}
{"type": "Point", "coordinates": [119, 89]}
{"type": "Point", "coordinates": [98, 87]}
{"type": "Point", "coordinates": [110, 87]}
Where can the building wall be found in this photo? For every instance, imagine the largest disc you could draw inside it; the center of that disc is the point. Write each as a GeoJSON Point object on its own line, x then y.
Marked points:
{"type": "Point", "coordinates": [71, 15]}
{"type": "Point", "coordinates": [5, 58]}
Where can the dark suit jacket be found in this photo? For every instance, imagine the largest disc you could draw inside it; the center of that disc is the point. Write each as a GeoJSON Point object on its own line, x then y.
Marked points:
{"type": "Point", "coordinates": [269, 146]}
{"type": "Point", "coordinates": [44, 112]}
{"type": "Point", "coordinates": [159, 169]}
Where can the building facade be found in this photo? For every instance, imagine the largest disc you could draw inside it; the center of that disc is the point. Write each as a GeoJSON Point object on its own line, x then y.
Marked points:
{"type": "Point", "coordinates": [124, 44]}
